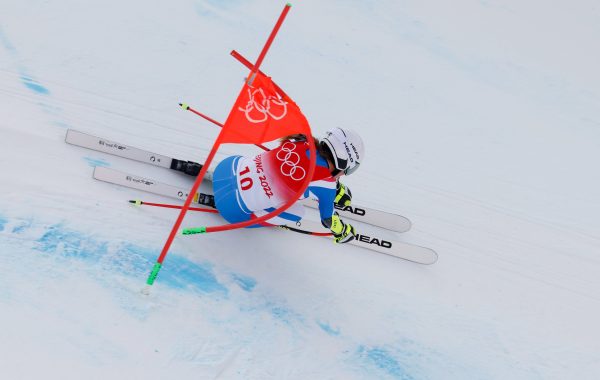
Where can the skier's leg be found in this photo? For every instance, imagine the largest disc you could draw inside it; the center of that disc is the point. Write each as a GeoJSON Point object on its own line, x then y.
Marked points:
{"type": "Point", "coordinates": [231, 206]}
{"type": "Point", "coordinates": [227, 198]}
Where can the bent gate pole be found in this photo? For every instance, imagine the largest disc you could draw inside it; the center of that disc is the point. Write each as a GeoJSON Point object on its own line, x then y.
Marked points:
{"type": "Point", "coordinates": [195, 187]}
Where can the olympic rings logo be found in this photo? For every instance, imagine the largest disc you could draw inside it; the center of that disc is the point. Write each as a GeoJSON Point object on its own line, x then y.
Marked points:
{"type": "Point", "coordinates": [290, 161]}
{"type": "Point", "coordinates": [260, 107]}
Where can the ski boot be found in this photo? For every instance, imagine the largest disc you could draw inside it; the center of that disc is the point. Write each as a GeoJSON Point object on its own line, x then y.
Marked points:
{"type": "Point", "coordinates": [207, 200]}
{"type": "Point", "coordinates": [187, 167]}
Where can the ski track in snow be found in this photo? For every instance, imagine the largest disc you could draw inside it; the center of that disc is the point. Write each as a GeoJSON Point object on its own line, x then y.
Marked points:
{"type": "Point", "coordinates": [514, 294]}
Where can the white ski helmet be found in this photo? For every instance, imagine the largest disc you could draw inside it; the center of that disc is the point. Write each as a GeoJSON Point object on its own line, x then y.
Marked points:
{"type": "Point", "coordinates": [346, 147]}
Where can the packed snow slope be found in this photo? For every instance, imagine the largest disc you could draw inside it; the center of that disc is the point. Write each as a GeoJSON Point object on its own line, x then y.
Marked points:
{"type": "Point", "coordinates": [482, 124]}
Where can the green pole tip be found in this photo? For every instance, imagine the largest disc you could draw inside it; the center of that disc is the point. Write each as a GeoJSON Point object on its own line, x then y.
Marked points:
{"type": "Point", "coordinates": [136, 202]}
{"type": "Point", "coordinates": [289, 4]}
{"type": "Point", "coordinates": [153, 274]}
{"type": "Point", "coordinates": [194, 230]}
{"type": "Point", "coordinates": [184, 106]}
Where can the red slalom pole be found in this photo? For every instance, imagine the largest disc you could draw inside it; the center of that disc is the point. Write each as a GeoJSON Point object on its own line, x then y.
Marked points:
{"type": "Point", "coordinates": [194, 190]}
{"type": "Point", "coordinates": [209, 159]}
{"type": "Point", "coordinates": [142, 203]}
{"type": "Point", "coordinates": [249, 65]}
{"type": "Point", "coordinates": [265, 49]}
{"type": "Point", "coordinates": [188, 108]}
{"type": "Point", "coordinates": [288, 228]}
{"type": "Point", "coordinates": [184, 209]}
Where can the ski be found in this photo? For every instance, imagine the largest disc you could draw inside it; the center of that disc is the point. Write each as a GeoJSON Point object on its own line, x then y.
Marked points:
{"type": "Point", "coordinates": [406, 251]}
{"type": "Point", "coordinates": [378, 218]}
{"type": "Point", "coordinates": [140, 183]}
{"type": "Point", "coordinates": [114, 148]}
{"type": "Point", "coordinates": [370, 241]}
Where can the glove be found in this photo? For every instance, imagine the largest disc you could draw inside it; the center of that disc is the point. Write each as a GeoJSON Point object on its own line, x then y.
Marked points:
{"type": "Point", "coordinates": [343, 196]}
{"type": "Point", "coordinates": [342, 232]}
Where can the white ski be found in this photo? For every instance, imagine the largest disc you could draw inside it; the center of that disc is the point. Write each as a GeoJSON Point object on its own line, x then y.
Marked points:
{"type": "Point", "coordinates": [379, 218]}
{"type": "Point", "coordinates": [100, 144]}
{"type": "Point", "coordinates": [141, 183]}
{"type": "Point", "coordinates": [411, 252]}
{"type": "Point", "coordinates": [111, 147]}
{"type": "Point", "coordinates": [406, 251]}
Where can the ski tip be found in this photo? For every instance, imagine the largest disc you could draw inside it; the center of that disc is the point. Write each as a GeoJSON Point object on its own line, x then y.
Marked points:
{"type": "Point", "coordinates": [136, 202]}
{"type": "Point", "coordinates": [184, 106]}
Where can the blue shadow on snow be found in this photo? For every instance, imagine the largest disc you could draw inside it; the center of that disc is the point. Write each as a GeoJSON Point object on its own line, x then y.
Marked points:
{"type": "Point", "coordinates": [129, 259]}
{"type": "Point", "coordinates": [93, 162]}
{"type": "Point", "coordinates": [384, 360]}
{"type": "Point", "coordinates": [34, 86]}
{"type": "Point", "coordinates": [3, 222]}
{"type": "Point", "coordinates": [244, 282]}
{"type": "Point", "coordinates": [329, 329]}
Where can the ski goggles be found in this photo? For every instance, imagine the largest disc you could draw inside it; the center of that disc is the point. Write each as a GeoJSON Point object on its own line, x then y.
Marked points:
{"type": "Point", "coordinates": [340, 163]}
{"type": "Point", "coordinates": [351, 170]}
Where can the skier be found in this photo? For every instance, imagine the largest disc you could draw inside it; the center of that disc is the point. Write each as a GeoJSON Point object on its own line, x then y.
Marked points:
{"type": "Point", "coordinates": [249, 187]}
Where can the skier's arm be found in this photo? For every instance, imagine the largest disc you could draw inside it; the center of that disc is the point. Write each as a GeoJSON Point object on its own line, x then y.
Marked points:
{"type": "Point", "coordinates": [343, 196]}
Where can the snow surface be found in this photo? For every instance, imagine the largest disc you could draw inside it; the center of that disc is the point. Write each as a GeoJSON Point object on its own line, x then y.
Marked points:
{"type": "Point", "coordinates": [482, 125]}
